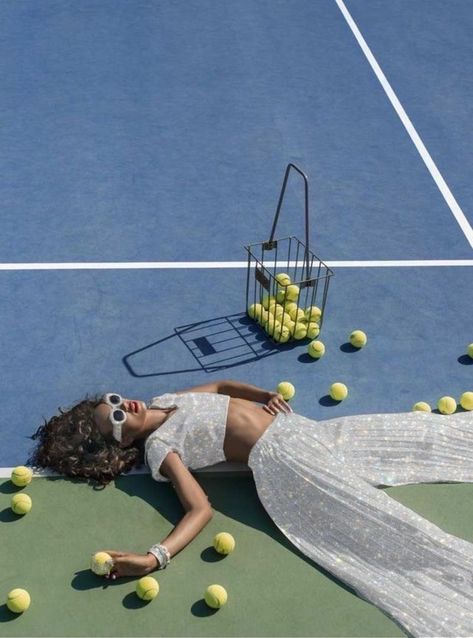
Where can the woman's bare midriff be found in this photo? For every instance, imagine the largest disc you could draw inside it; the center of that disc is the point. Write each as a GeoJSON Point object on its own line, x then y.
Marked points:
{"type": "Point", "coordinates": [246, 422]}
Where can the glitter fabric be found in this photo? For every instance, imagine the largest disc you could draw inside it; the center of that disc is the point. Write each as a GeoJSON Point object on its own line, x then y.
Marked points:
{"type": "Point", "coordinates": [318, 481]}
{"type": "Point", "coordinates": [196, 430]}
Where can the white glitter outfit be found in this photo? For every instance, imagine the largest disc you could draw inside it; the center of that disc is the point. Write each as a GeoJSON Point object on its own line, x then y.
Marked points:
{"type": "Point", "coordinates": [196, 430]}
{"type": "Point", "coordinates": [318, 480]}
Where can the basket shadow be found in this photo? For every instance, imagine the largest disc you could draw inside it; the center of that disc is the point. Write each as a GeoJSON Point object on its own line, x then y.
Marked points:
{"type": "Point", "coordinates": [216, 344]}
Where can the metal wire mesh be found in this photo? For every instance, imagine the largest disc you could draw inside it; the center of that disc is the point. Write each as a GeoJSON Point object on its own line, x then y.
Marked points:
{"type": "Point", "coordinates": [287, 284]}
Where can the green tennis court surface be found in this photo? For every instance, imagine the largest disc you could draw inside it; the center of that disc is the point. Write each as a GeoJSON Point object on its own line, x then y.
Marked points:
{"type": "Point", "coordinates": [272, 589]}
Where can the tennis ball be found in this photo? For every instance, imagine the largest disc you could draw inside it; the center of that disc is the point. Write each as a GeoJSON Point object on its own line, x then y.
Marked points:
{"type": "Point", "coordinates": [447, 405]}
{"type": "Point", "coordinates": [21, 476]}
{"type": "Point", "coordinates": [277, 311]}
{"type": "Point", "coordinates": [18, 600]}
{"type": "Point", "coordinates": [283, 279]}
{"type": "Point", "coordinates": [286, 389]}
{"type": "Point", "coordinates": [290, 306]}
{"type": "Point", "coordinates": [266, 300]}
{"type": "Point", "coordinates": [300, 331]}
{"type": "Point", "coordinates": [224, 543]}
{"type": "Point", "coordinates": [358, 339]}
{"type": "Point", "coordinates": [101, 563]}
{"type": "Point", "coordinates": [271, 324]}
{"type": "Point", "coordinates": [313, 330]}
{"type": "Point", "coordinates": [292, 292]}
{"type": "Point", "coordinates": [469, 350]}
{"type": "Point", "coordinates": [281, 295]}
{"type": "Point", "coordinates": [296, 314]}
{"type": "Point", "coordinates": [338, 391]}
{"type": "Point", "coordinates": [282, 334]}
{"type": "Point", "coordinates": [215, 596]}
{"type": "Point", "coordinates": [21, 503]}
{"type": "Point", "coordinates": [466, 400]}
{"type": "Point", "coordinates": [147, 588]}
{"type": "Point", "coordinates": [316, 349]}
{"type": "Point", "coordinates": [313, 313]}
{"type": "Point", "coordinates": [421, 406]}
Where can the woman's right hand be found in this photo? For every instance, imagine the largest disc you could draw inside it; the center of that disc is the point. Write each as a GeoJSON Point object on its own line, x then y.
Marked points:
{"type": "Point", "coordinates": [276, 404]}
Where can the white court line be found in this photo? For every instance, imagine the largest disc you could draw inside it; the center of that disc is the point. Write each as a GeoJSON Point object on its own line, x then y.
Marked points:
{"type": "Point", "coordinates": [224, 467]}
{"type": "Point", "coordinates": [131, 265]}
{"type": "Point", "coordinates": [429, 162]}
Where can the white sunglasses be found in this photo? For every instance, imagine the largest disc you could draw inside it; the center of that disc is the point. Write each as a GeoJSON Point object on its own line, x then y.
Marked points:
{"type": "Point", "coordinates": [117, 416]}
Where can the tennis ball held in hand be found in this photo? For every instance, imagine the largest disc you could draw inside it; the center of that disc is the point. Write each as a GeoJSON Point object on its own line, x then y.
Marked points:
{"type": "Point", "coordinates": [215, 596]}
{"type": "Point", "coordinates": [224, 543]}
{"type": "Point", "coordinates": [101, 563]}
{"type": "Point", "coordinates": [18, 600]}
{"type": "Point", "coordinates": [286, 390]}
{"type": "Point", "coordinates": [21, 476]}
{"type": "Point", "coordinates": [147, 588]}
{"type": "Point", "coordinates": [21, 503]}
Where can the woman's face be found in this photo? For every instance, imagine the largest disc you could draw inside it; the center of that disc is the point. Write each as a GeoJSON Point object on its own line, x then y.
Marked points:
{"type": "Point", "coordinates": [134, 426]}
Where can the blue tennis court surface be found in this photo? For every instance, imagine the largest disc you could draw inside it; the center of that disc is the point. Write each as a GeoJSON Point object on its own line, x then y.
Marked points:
{"type": "Point", "coordinates": [160, 131]}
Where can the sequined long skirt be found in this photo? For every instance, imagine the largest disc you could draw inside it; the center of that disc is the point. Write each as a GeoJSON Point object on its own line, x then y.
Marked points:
{"type": "Point", "coordinates": [318, 481]}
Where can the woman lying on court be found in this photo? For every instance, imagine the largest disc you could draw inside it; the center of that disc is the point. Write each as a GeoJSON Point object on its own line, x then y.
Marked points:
{"type": "Point", "coordinates": [317, 480]}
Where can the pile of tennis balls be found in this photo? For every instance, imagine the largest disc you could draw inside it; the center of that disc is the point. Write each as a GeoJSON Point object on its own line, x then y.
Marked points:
{"type": "Point", "coordinates": [147, 587]}
{"type": "Point", "coordinates": [19, 600]}
{"type": "Point", "coordinates": [281, 316]}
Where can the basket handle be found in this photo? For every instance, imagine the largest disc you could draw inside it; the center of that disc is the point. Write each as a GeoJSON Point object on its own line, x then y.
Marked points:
{"type": "Point", "coordinates": [271, 243]}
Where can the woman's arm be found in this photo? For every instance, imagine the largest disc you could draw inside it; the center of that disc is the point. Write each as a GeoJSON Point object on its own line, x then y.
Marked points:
{"type": "Point", "coordinates": [239, 390]}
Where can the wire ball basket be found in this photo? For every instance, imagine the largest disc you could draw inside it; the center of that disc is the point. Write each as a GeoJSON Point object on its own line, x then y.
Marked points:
{"type": "Point", "coordinates": [287, 284]}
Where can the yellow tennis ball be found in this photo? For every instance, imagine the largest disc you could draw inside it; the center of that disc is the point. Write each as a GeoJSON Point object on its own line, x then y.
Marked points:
{"type": "Point", "coordinates": [283, 279]}
{"type": "Point", "coordinates": [466, 400]}
{"type": "Point", "coordinates": [18, 600]}
{"type": "Point", "coordinates": [281, 295]}
{"type": "Point", "coordinates": [286, 390]}
{"type": "Point", "coordinates": [263, 318]}
{"type": "Point", "coordinates": [215, 596]}
{"type": "Point", "coordinates": [101, 563]}
{"type": "Point", "coordinates": [358, 339]}
{"type": "Point", "coordinates": [255, 310]}
{"type": "Point", "coordinates": [300, 331]}
{"type": "Point", "coordinates": [282, 334]}
{"type": "Point", "coordinates": [447, 405]}
{"type": "Point", "coordinates": [469, 350]}
{"type": "Point", "coordinates": [313, 330]}
{"type": "Point", "coordinates": [224, 543]}
{"type": "Point", "coordinates": [271, 324]}
{"type": "Point", "coordinates": [266, 300]}
{"type": "Point", "coordinates": [290, 306]}
{"type": "Point", "coordinates": [313, 313]}
{"type": "Point", "coordinates": [292, 292]}
{"type": "Point", "coordinates": [21, 476]}
{"type": "Point", "coordinates": [296, 314]}
{"type": "Point", "coordinates": [338, 391]}
{"type": "Point", "coordinates": [278, 311]}
{"type": "Point", "coordinates": [316, 349]}
{"type": "Point", "coordinates": [147, 588]}
{"type": "Point", "coordinates": [421, 406]}
{"type": "Point", "coordinates": [21, 503]}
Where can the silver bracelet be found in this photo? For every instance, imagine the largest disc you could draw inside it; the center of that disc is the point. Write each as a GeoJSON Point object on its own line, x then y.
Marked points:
{"type": "Point", "coordinates": [161, 554]}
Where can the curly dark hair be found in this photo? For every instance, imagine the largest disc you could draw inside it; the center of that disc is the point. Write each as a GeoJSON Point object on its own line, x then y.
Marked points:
{"type": "Point", "coordinates": [72, 445]}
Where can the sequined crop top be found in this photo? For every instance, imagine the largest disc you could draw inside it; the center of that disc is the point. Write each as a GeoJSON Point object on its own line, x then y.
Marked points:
{"type": "Point", "coordinates": [196, 430]}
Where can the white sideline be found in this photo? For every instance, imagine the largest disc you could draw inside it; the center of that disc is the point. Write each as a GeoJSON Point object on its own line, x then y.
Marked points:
{"type": "Point", "coordinates": [130, 265]}
{"type": "Point", "coordinates": [220, 468]}
{"type": "Point", "coordinates": [429, 162]}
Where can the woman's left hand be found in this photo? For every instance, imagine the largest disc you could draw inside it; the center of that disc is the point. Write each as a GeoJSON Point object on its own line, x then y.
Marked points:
{"type": "Point", "coordinates": [276, 403]}
{"type": "Point", "coordinates": [128, 564]}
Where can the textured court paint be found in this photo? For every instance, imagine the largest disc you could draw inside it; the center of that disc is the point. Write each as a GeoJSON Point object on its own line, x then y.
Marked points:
{"type": "Point", "coordinates": [424, 47]}
{"type": "Point", "coordinates": [70, 333]}
{"type": "Point", "coordinates": [131, 129]}
{"type": "Point", "coordinates": [419, 144]}
{"type": "Point", "coordinates": [407, 263]}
